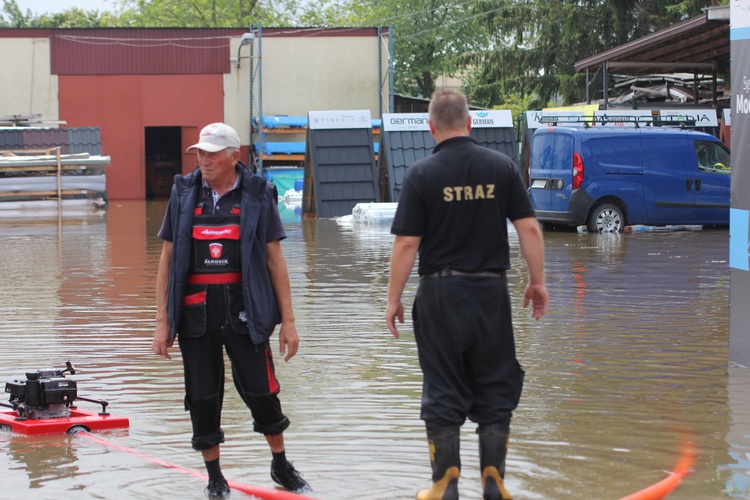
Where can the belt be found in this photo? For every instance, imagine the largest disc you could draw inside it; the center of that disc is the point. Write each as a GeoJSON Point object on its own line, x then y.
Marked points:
{"type": "Point", "coordinates": [446, 273]}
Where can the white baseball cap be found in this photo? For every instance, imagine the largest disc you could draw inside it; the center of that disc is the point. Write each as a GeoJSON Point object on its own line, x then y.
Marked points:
{"type": "Point", "coordinates": [217, 136]}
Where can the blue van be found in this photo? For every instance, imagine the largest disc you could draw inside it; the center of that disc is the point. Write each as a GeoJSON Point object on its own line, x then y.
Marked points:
{"type": "Point", "coordinates": [611, 177]}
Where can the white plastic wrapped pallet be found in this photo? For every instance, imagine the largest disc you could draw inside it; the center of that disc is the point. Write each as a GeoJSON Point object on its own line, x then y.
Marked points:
{"type": "Point", "coordinates": [374, 213]}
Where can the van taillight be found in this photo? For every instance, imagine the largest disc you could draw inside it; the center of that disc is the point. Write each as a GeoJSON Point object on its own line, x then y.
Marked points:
{"type": "Point", "coordinates": [577, 171]}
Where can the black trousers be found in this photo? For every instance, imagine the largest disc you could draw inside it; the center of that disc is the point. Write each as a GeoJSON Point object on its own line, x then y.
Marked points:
{"type": "Point", "coordinates": [252, 373]}
{"type": "Point", "coordinates": [464, 333]}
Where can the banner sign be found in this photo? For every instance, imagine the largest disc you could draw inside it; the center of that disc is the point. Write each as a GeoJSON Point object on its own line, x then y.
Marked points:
{"type": "Point", "coordinates": [405, 122]}
{"type": "Point", "coordinates": [339, 119]}
{"type": "Point", "coordinates": [486, 118]}
{"type": "Point", "coordinates": [739, 214]}
{"type": "Point", "coordinates": [534, 118]}
{"type": "Point", "coordinates": [623, 117]}
{"type": "Point", "coordinates": [491, 118]}
{"type": "Point", "coordinates": [702, 117]}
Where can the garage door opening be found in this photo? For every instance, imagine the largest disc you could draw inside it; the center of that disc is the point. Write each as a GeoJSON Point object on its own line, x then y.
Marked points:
{"type": "Point", "coordinates": [163, 160]}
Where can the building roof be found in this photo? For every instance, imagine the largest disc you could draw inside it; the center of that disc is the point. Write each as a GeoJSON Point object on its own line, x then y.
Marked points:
{"type": "Point", "coordinates": [700, 44]}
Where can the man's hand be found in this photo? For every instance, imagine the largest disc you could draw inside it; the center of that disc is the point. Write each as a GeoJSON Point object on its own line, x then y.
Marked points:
{"type": "Point", "coordinates": [539, 299]}
{"type": "Point", "coordinates": [288, 340]}
{"type": "Point", "coordinates": [392, 311]}
{"type": "Point", "coordinates": [162, 341]}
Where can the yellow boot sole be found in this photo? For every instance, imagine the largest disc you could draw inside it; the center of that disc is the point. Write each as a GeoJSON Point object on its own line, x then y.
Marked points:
{"type": "Point", "coordinates": [445, 489]}
{"type": "Point", "coordinates": [497, 490]}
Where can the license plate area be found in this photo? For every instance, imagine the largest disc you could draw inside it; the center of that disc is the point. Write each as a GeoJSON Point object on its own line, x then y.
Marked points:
{"type": "Point", "coordinates": [539, 183]}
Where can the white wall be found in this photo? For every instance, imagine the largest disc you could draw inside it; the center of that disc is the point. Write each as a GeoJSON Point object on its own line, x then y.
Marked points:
{"type": "Point", "coordinates": [26, 85]}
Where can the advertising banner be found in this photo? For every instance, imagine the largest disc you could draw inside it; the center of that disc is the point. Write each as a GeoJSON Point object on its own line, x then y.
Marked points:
{"type": "Point", "coordinates": [739, 273]}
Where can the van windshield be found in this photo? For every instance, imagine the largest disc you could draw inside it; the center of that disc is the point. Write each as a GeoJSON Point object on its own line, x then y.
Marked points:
{"type": "Point", "coordinates": [712, 157]}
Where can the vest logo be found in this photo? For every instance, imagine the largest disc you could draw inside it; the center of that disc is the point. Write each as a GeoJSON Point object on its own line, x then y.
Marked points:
{"type": "Point", "coordinates": [217, 232]}
{"type": "Point", "coordinates": [215, 250]}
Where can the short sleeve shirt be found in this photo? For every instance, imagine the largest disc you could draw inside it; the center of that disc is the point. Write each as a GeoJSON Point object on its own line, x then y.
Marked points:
{"type": "Point", "coordinates": [458, 200]}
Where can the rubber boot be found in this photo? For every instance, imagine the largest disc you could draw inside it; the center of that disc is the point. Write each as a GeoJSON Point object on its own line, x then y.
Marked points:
{"type": "Point", "coordinates": [493, 448]}
{"type": "Point", "coordinates": [445, 459]}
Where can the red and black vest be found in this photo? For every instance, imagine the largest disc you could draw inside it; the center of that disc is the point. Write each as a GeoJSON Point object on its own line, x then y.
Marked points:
{"type": "Point", "coordinates": [215, 256]}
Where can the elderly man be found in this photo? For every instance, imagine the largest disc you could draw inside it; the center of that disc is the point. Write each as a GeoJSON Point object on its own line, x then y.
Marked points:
{"type": "Point", "coordinates": [453, 210]}
{"type": "Point", "coordinates": [223, 283]}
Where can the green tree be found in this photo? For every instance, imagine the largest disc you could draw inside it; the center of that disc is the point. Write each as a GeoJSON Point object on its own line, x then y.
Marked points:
{"type": "Point", "coordinates": [205, 13]}
{"type": "Point", "coordinates": [429, 37]}
{"type": "Point", "coordinates": [535, 43]}
{"type": "Point", "coordinates": [11, 16]}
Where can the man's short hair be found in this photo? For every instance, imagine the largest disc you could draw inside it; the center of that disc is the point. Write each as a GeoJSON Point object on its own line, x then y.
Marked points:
{"type": "Point", "coordinates": [449, 109]}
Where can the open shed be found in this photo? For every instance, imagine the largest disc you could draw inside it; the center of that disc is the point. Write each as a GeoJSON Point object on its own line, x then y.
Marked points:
{"type": "Point", "coordinates": [699, 46]}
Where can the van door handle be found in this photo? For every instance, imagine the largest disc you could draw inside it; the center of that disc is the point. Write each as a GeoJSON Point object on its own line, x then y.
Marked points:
{"type": "Point", "coordinates": [697, 184]}
{"type": "Point", "coordinates": [689, 184]}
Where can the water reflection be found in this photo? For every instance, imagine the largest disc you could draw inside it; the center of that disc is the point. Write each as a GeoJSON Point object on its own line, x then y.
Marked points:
{"type": "Point", "coordinates": [629, 365]}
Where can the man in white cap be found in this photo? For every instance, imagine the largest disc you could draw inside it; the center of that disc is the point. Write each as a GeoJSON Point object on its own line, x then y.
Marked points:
{"type": "Point", "coordinates": [223, 283]}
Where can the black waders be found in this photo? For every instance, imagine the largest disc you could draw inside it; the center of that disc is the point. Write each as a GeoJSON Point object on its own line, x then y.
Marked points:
{"type": "Point", "coordinates": [445, 459]}
{"type": "Point", "coordinates": [493, 448]}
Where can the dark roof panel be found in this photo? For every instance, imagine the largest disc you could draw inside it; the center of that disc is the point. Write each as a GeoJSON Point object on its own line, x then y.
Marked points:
{"type": "Point", "coordinates": [341, 165]}
{"type": "Point", "coordinates": [10, 139]}
{"type": "Point", "coordinates": [403, 148]}
{"type": "Point", "coordinates": [70, 140]}
{"type": "Point", "coordinates": [498, 139]}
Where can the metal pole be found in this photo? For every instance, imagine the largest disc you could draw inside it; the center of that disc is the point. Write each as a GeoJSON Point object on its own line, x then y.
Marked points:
{"type": "Point", "coordinates": [390, 65]}
{"type": "Point", "coordinates": [588, 86]}
{"type": "Point", "coordinates": [260, 98]}
{"type": "Point", "coordinates": [252, 110]}
{"type": "Point", "coordinates": [380, 72]}
{"type": "Point", "coordinates": [695, 88]}
{"type": "Point", "coordinates": [605, 85]}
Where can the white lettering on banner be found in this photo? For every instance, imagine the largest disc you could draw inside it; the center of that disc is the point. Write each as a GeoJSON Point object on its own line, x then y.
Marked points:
{"type": "Point", "coordinates": [743, 104]}
{"type": "Point", "coordinates": [405, 122]}
{"type": "Point", "coordinates": [408, 121]}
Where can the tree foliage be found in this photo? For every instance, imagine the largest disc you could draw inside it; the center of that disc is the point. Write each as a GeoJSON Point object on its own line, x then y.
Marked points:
{"type": "Point", "coordinates": [503, 49]}
{"type": "Point", "coordinates": [535, 43]}
{"type": "Point", "coordinates": [205, 13]}
{"type": "Point", "coordinates": [11, 16]}
{"type": "Point", "coordinates": [429, 36]}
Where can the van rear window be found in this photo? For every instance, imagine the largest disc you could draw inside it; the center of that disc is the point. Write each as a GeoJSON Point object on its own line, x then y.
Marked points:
{"type": "Point", "coordinates": [614, 150]}
{"type": "Point", "coordinates": [552, 152]}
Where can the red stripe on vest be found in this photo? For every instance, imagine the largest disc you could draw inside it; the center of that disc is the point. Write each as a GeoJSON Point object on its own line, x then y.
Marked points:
{"type": "Point", "coordinates": [195, 298]}
{"type": "Point", "coordinates": [215, 278]}
{"type": "Point", "coordinates": [231, 232]}
{"type": "Point", "coordinates": [273, 384]}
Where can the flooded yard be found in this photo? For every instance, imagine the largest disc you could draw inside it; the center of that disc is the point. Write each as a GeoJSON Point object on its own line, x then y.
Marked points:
{"type": "Point", "coordinates": [627, 371]}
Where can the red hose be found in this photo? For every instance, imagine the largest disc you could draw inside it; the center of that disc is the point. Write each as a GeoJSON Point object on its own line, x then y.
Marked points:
{"type": "Point", "coordinates": [667, 485]}
{"type": "Point", "coordinates": [256, 491]}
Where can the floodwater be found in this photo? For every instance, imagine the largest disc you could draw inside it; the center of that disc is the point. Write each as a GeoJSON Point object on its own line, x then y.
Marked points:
{"type": "Point", "coordinates": [627, 371]}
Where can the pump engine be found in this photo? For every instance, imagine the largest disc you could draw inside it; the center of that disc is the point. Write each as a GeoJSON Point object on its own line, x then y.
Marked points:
{"type": "Point", "coordinates": [44, 394]}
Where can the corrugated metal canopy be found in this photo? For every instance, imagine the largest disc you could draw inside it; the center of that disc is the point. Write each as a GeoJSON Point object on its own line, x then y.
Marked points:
{"type": "Point", "coordinates": [700, 44]}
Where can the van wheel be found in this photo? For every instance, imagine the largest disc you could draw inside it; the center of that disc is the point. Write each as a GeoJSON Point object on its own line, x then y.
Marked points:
{"type": "Point", "coordinates": [606, 218]}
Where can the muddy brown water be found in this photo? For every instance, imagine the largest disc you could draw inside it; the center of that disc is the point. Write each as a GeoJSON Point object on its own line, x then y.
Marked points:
{"type": "Point", "coordinates": [627, 369]}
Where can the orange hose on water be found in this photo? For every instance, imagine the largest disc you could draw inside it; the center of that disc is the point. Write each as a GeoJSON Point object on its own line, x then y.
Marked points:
{"type": "Point", "coordinates": [256, 491]}
{"type": "Point", "coordinates": [668, 484]}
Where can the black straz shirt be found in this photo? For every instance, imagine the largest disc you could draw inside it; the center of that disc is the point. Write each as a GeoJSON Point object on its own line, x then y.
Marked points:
{"type": "Point", "coordinates": [458, 201]}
